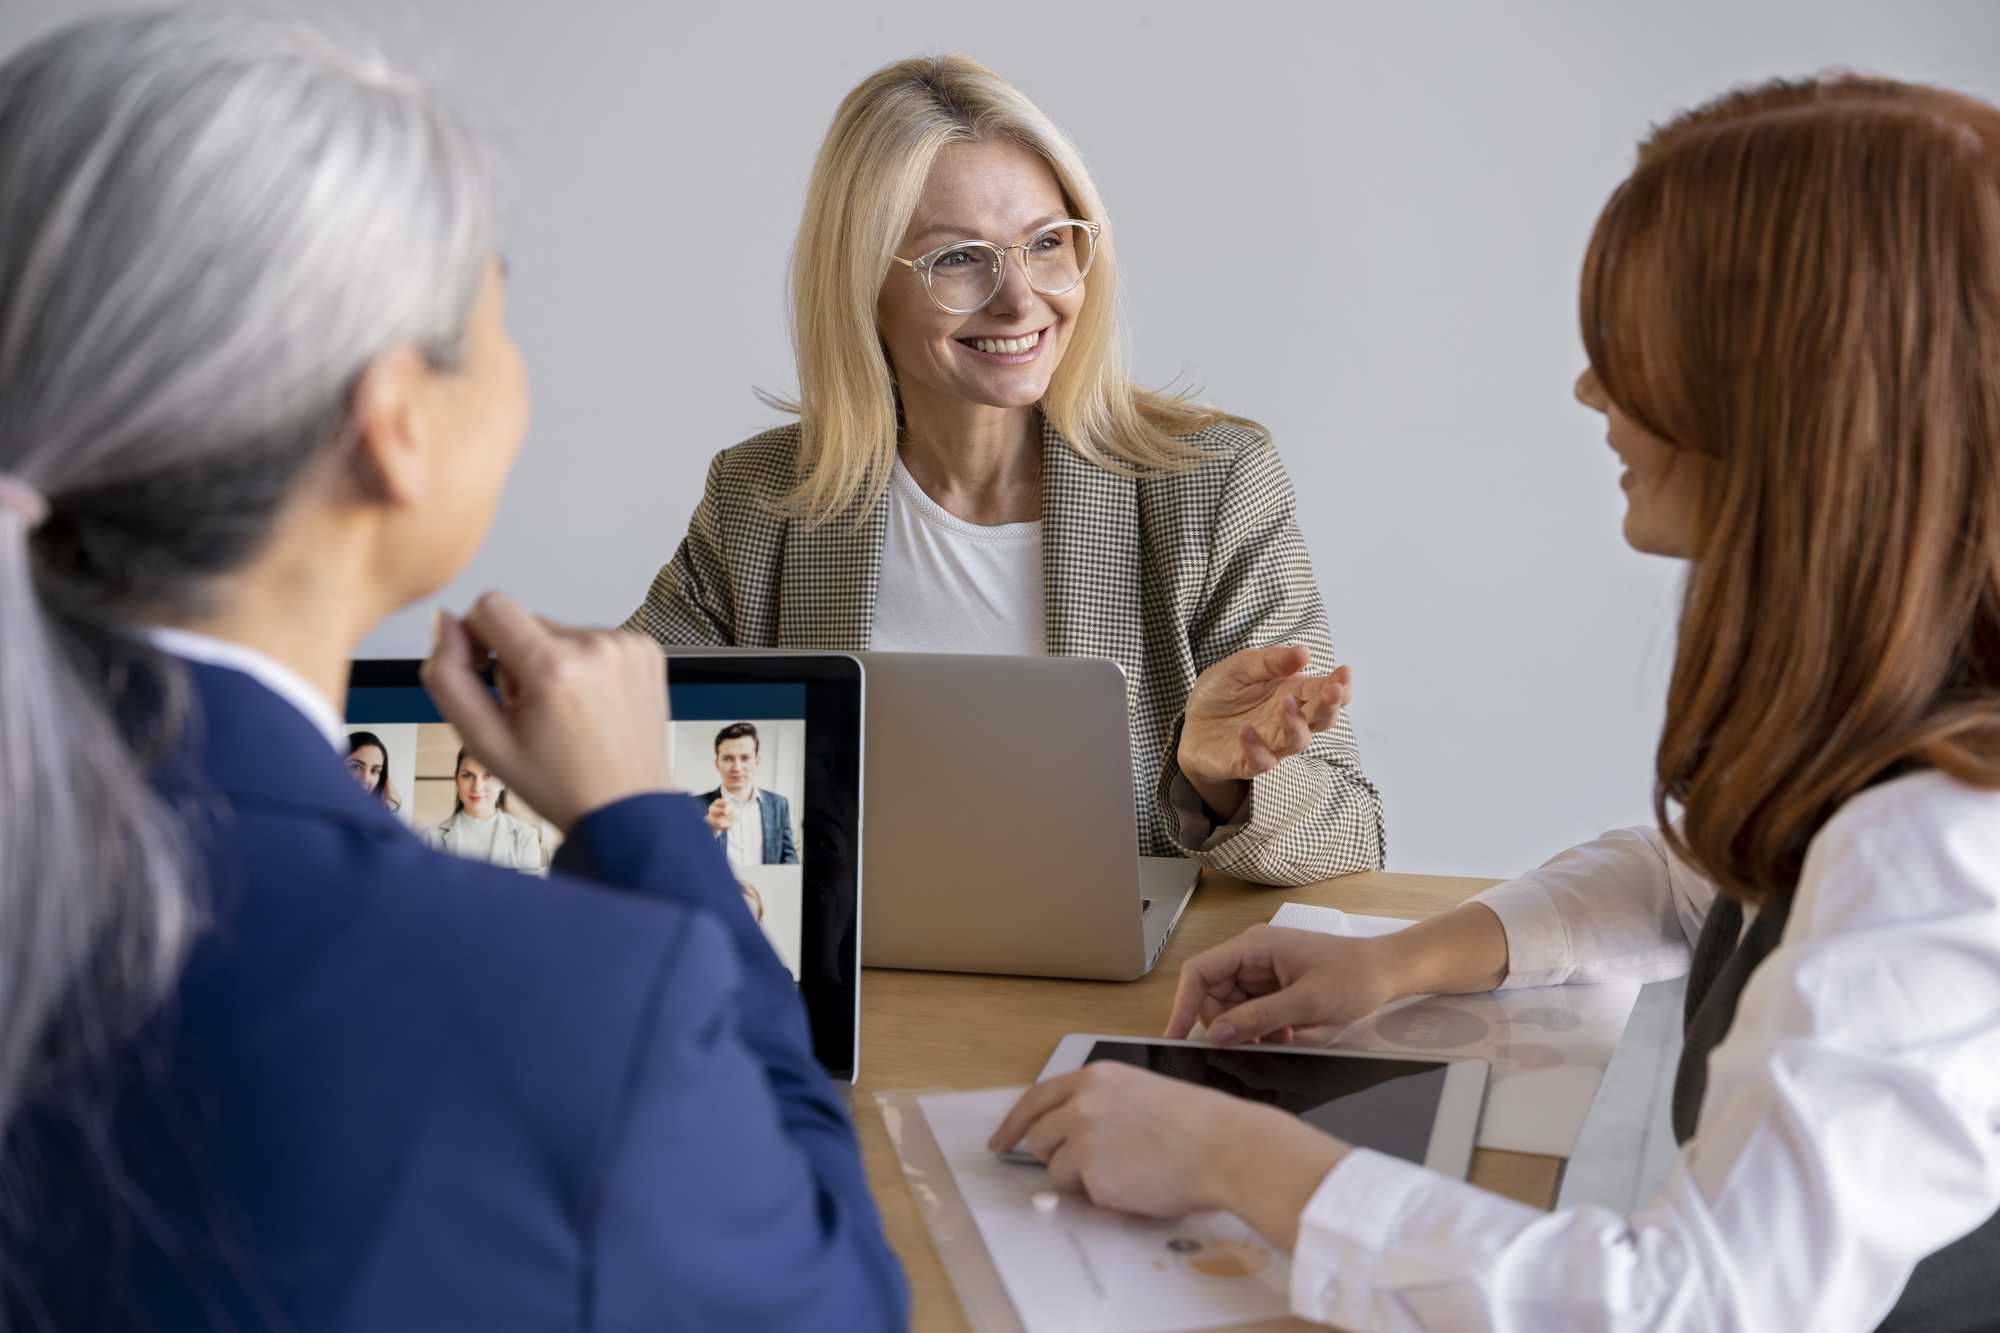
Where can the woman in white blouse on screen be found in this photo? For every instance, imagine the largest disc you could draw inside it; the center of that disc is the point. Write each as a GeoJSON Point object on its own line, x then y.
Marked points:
{"type": "Point", "coordinates": [479, 827]}
{"type": "Point", "coordinates": [1792, 314]}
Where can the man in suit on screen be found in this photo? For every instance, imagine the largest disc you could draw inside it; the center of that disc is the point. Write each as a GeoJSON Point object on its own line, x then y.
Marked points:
{"type": "Point", "coordinates": [754, 826]}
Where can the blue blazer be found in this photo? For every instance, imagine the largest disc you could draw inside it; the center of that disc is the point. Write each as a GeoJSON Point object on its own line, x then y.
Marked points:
{"type": "Point", "coordinates": [779, 849]}
{"type": "Point", "coordinates": [397, 1090]}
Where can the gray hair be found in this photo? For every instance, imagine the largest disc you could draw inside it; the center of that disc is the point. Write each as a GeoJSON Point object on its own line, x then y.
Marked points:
{"type": "Point", "coordinates": [210, 225]}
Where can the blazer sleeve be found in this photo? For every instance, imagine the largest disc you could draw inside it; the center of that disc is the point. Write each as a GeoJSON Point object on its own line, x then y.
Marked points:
{"type": "Point", "coordinates": [689, 601]}
{"type": "Point", "coordinates": [659, 846]}
{"type": "Point", "coordinates": [1316, 814]}
{"type": "Point", "coordinates": [777, 1191]}
{"type": "Point", "coordinates": [788, 847]}
{"type": "Point", "coordinates": [719, 1209]}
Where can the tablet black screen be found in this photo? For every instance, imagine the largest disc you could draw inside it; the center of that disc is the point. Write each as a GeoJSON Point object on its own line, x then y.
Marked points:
{"type": "Point", "coordinates": [1387, 1105]}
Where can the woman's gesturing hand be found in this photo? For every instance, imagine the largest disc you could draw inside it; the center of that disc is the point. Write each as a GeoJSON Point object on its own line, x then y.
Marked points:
{"type": "Point", "coordinates": [581, 720]}
{"type": "Point", "coordinates": [1269, 981]}
{"type": "Point", "coordinates": [1249, 712]}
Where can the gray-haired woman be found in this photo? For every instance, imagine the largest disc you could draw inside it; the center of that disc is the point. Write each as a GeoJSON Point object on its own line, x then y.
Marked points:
{"type": "Point", "coordinates": [266, 1061]}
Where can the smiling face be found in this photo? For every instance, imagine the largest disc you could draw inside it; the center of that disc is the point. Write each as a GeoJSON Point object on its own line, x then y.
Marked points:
{"type": "Point", "coordinates": [1663, 483]}
{"type": "Point", "coordinates": [478, 789]}
{"type": "Point", "coordinates": [1004, 355]}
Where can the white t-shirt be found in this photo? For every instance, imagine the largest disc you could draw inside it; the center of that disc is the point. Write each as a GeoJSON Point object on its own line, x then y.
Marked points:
{"type": "Point", "coordinates": [477, 836]}
{"type": "Point", "coordinates": [949, 586]}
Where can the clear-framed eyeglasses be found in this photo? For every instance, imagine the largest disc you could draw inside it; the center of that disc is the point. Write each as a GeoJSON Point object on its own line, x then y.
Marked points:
{"type": "Point", "coordinates": [963, 276]}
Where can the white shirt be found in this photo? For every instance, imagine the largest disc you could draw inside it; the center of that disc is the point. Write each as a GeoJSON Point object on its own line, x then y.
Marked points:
{"type": "Point", "coordinates": [949, 586]}
{"type": "Point", "coordinates": [1851, 1124]}
{"type": "Point", "coordinates": [273, 675]}
{"type": "Point", "coordinates": [501, 839]}
{"type": "Point", "coordinates": [477, 837]}
{"type": "Point", "coordinates": [745, 842]}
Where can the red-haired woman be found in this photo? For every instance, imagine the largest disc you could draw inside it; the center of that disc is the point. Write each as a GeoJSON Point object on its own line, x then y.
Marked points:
{"type": "Point", "coordinates": [1792, 315]}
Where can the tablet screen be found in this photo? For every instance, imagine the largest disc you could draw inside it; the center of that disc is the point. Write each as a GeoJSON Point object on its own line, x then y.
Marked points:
{"type": "Point", "coordinates": [739, 749]}
{"type": "Point", "coordinates": [774, 738]}
{"type": "Point", "coordinates": [1387, 1105]}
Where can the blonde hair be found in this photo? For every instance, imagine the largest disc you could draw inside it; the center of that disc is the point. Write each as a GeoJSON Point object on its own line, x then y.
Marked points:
{"type": "Point", "coordinates": [866, 184]}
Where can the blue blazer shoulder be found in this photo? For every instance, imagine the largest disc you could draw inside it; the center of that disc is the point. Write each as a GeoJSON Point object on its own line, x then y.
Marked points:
{"type": "Point", "coordinates": [399, 1090]}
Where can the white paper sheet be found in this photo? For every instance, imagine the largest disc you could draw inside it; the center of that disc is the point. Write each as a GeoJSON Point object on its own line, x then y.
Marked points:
{"type": "Point", "coordinates": [1548, 1045]}
{"type": "Point", "coordinates": [1080, 1267]}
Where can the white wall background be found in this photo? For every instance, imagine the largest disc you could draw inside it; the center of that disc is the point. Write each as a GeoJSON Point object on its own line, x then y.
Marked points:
{"type": "Point", "coordinates": [1359, 223]}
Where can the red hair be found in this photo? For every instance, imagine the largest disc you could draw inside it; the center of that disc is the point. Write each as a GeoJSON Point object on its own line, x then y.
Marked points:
{"type": "Point", "coordinates": [1802, 282]}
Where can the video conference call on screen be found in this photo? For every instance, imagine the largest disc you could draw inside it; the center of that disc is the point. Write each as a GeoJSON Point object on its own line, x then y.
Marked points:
{"type": "Point", "coordinates": [739, 750]}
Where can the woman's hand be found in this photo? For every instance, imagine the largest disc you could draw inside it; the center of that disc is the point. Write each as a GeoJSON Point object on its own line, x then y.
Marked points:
{"type": "Point", "coordinates": [1269, 981]}
{"type": "Point", "coordinates": [1132, 1140]}
{"type": "Point", "coordinates": [581, 720]}
{"type": "Point", "coordinates": [1250, 711]}
{"type": "Point", "coordinates": [720, 818]}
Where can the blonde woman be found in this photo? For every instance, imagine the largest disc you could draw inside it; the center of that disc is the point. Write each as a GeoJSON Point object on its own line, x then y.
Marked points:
{"type": "Point", "coordinates": [972, 471]}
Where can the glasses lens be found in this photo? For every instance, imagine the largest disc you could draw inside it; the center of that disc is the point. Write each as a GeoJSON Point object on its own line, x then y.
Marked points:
{"type": "Point", "coordinates": [1059, 256]}
{"type": "Point", "coordinates": [964, 278]}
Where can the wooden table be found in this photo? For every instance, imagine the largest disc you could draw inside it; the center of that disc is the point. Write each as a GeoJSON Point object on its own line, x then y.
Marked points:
{"type": "Point", "coordinates": [950, 1030]}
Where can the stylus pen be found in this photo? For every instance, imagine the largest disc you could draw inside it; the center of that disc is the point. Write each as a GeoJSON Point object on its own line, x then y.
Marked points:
{"type": "Point", "coordinates": [1019, 1157]}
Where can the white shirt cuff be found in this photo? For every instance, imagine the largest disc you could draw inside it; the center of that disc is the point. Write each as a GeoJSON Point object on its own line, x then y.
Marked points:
{"type": "Point", "coordinates": [1344, 1233]}
{"type": "Point", "coordinates": [1380, 1234]}
{"type": "Point", "coordinates": [1538, 950]}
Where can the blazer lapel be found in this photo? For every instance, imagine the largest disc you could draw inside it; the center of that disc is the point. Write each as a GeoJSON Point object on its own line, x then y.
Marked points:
{"type": "Point", "coordinates": [827, 586]}
{"type": "Point", "coordinates": [1090, 558]}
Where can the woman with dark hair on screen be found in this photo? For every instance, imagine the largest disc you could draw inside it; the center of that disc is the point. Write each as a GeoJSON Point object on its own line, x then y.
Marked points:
{"type": "Point", "coordinates": [479, 827]}
{"type": "Point", "coordinates": [1792, 316]}
{"type": "Point", "coordinates": [265, 1060]}
{"type": "Point", "coordinates": [368, 761]}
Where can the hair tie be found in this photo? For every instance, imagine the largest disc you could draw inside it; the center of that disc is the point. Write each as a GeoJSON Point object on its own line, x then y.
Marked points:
{"type": "Point", "coordinates": [27, 502]}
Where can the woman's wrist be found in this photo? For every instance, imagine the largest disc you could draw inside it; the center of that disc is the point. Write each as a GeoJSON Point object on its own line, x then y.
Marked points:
{"type": "Point", "coordinates": [1223, 800]}
{"type": "Point", "coordinates": [1222, 795]}
{"type": "Point", "coordinates": [1266, 1166]}
{"type": "Point", "coordinates": [1462, 951]}
{"type": "Point", "coordinates": [1234, 1133]}
{"type": "Point", "coordinates": [1407, 961]}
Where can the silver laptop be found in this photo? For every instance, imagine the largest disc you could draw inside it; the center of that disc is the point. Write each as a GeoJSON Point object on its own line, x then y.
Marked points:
{"type": "Point", "coordinates": [1000, 833]}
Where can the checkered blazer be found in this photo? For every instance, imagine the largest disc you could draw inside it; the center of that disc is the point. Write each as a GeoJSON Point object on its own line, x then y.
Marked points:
{"type": "Point", "coordinates": [1165, 575]}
